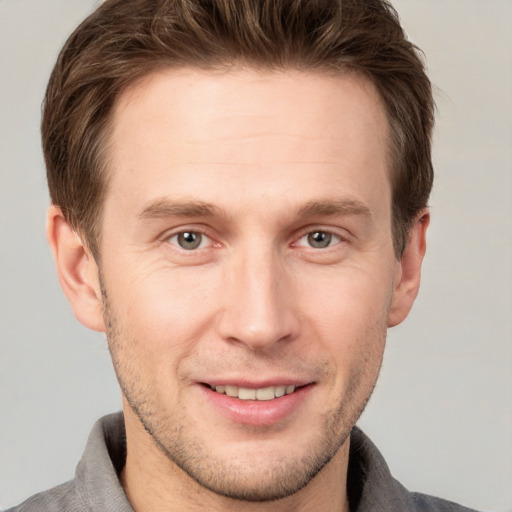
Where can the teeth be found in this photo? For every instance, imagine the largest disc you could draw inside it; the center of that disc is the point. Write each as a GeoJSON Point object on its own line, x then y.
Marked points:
{"type": "Point", "coordinates": [264, 394]}
{"type": "Point", "coordinates": [279, 391]}
{"type": "Point", "coordinates": [268, 393]}
{"type": "Point", "coordinates": [230, 390]}
{"type": "Point", "coordinates": [246, 394]}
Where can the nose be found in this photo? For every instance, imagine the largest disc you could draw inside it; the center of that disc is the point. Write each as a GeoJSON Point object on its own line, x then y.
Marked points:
{"type": "Point", "coordinates": [258, 309]}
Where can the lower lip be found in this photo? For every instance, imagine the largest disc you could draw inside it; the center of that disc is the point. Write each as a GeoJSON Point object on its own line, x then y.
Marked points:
{"type": "Point", "coordinates": [257, 412]}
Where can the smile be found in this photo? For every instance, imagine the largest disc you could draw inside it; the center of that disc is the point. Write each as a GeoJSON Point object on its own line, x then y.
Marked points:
{"type": "Point", "coordinates": [268, 393]}
{"type": "Point", "coordinates": [258, 406]}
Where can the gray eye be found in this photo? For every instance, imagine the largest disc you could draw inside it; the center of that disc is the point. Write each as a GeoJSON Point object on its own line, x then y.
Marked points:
{"type": "Point", "coordinates": [189, 240]}
{"type": "Point", "coordinates": [319, 239]}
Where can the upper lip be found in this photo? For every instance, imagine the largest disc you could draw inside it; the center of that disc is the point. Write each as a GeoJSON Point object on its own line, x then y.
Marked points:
{"type": "Point", "coordinates": [256, 384]}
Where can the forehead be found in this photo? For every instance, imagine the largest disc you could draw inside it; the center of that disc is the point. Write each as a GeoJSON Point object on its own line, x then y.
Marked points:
{"type": "Point", "coordinates": [226, 133]}
{"type": "Point", "coordinates": [292, 102]}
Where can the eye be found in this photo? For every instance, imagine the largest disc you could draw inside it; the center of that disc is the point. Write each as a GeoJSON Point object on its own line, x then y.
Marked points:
{"type": "Point", "coordinates": [319, 239]}
{"type": "Point", "coordinates": [190, 240]}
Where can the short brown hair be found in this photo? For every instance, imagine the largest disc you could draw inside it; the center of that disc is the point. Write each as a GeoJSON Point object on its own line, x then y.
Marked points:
{"type": "Point", "coordinates": [124, 40]}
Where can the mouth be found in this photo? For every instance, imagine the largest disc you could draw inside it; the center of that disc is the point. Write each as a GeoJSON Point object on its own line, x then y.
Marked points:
{"type": "Point", "coordinates": [261, 394]}
{"type": "Point", "coordinates": [257, 404]}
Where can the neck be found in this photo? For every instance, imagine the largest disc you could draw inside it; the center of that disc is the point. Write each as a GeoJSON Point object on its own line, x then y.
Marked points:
{"type": "Point", "coordinates": [154, 483]}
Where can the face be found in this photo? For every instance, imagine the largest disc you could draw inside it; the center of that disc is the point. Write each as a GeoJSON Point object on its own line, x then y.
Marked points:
{"type": "Point", "coordinates": [247, 269]}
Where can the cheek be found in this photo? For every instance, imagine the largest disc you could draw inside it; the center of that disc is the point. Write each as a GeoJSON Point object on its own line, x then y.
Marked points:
{"type": "Point", "coordinates": [347, 316]}
{"type": "Point", "coordinates": [163, 313]}
{"type": "Point", "coordinates": [346, 300]}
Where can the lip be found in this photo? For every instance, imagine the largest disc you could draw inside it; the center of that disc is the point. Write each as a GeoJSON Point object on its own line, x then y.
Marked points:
{"type": "Point", "coordinates": [255, 384]}
{"type": "Point", "coordinates": [255, 412]}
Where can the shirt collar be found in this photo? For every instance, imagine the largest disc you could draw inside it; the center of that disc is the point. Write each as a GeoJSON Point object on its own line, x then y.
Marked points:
{"type": "Point", "coordinates": [97, 473]}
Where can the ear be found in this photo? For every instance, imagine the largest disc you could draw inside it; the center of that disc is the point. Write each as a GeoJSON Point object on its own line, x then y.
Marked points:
{"type": "Point", "coordinates": [77, 270]}
{"type": "Point", "coordinates": [407, 280]}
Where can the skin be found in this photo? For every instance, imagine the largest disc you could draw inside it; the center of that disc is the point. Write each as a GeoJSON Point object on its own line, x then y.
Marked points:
{"type": "Point", "coordinates": [253, 162]}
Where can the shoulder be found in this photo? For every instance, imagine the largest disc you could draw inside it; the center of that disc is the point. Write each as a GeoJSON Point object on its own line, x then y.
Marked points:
{"type": "Point", "coordinates": [371, 485]}
{"type": "Point", "coordinates": [96, 483]}
{"type": "Point", "coordinates": [424, 503]}
{"type": "Point", "coordinates": [64, 497]}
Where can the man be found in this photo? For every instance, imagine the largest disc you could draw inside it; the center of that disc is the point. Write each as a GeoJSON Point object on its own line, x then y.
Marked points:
{"type": "Point", "coordinates": [239, 194]}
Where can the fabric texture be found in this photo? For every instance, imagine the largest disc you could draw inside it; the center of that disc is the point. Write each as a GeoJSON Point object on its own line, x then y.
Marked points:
{"type": "Point", "coordinates": [96, 485]}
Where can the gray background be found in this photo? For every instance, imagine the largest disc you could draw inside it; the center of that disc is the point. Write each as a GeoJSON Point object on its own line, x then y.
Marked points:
{"type": "Point", "coordinates": [442, 411]}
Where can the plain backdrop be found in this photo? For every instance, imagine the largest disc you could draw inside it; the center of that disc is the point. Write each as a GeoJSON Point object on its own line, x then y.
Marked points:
{"type": "Point", "coordinates": [442, 411]}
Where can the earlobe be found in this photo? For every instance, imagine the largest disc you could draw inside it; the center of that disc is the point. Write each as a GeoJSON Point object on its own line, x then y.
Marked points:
{"type": "Point", "coordinates": [77, 270]}
{"type": "Point", "coordinates": [408, 277]}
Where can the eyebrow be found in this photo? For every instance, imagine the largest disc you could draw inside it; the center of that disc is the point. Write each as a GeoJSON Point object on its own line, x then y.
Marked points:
{"type": "Point", "coordinates": [164, 208]}
{"type": "Point", "coordinates": [342, 207]}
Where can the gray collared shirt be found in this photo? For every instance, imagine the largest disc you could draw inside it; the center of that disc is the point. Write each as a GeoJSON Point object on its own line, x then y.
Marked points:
{"type": "Point", "coordinates": [96, 485]}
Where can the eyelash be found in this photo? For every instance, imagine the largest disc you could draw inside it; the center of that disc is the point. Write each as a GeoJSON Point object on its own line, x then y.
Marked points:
{"type": "Point", "coordinates": [195, 231]}
{"type": "Point", "coordinates": [334, 237]}
{"type": "Point", "coordinates": [309, 232]}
